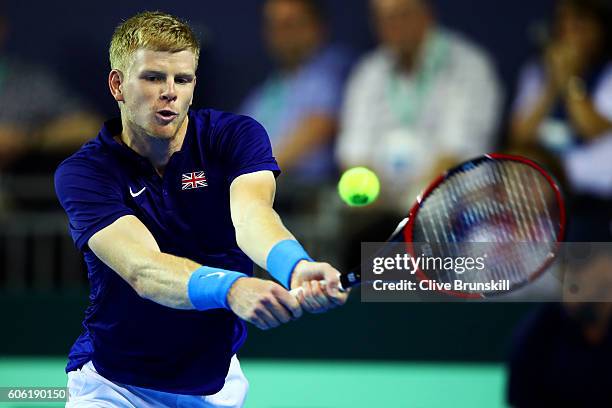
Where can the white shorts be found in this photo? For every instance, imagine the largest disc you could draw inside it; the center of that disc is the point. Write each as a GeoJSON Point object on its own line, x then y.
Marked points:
{"type": "Point", "coordinates": [87, 388]}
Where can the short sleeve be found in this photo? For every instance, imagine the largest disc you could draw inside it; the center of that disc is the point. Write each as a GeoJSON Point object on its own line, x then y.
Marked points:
{"type": "Point", "coordinates": [321, 85]}
{"type": "Point", "coordinates": [91, 198]}
{"type": "Point", "coordinates": [529, 87]}
{"type": "Point", "coordinates": [322, 94]}
{"type": "Point", "coordinates": [244, 146]}
{"type": "Point", "coordinates": [602, 96]}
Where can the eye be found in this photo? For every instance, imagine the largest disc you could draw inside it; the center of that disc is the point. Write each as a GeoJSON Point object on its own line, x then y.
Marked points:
{"type": "Point", "coordinates": [183, 80]}
{"type": "Point", "coordinates": [152, 78]}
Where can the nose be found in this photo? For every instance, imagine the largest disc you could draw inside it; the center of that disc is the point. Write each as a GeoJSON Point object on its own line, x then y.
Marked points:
{"type": "Point", "coordinates": [169, 91]}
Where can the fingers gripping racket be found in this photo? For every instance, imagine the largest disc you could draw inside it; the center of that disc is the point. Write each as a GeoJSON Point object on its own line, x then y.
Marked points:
{"type": "Point", "coordinates": [508, 202]}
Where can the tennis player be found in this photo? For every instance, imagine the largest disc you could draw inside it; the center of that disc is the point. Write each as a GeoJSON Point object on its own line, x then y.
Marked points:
{"type": "Point", "coordinates": [170, 206]}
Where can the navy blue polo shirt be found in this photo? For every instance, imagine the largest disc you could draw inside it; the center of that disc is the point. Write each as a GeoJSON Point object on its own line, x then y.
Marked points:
{"type": "Point", "coordinates": [132, 340]}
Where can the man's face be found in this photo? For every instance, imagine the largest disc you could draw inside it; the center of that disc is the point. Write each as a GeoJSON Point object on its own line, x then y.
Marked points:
{"type": "Point", "coordinates": [157, 91]}
{"type": "Point", "coordinates": [292, 32]}
{"type": "Point", "coordinates": [401, 25]}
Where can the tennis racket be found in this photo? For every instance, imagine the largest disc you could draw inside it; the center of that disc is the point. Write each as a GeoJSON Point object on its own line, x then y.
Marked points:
{"type": "Point", "coordinates": [508, 202]}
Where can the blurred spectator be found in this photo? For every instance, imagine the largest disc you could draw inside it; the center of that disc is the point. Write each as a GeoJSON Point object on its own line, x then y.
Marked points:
{"type": "Point", "coordinates": [564, 100]}
{"type": "Point", "coordinates": [298, 104]}
{"type": "Point", "coordinates": [39, 116]}
{"type": "Point", "coordinates": [562, 353]}
{"type": "Point", "coordinates": [426, 98]}
{"type": "Point", "coordinates": [562, 357]}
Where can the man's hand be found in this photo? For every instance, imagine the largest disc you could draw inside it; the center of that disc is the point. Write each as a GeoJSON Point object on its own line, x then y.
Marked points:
{"type": "Point", "coordinates": [263, 303]}
{"type": "Point", "coordinates": [563, 61]}
{"type": "Point", "coordinates": [320, 285]}
{"type": "Point", "coordinates": [14, 142]}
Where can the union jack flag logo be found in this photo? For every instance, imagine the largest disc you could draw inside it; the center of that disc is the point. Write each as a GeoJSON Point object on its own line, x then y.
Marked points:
{"type": "Point", "coordinates": [193, 180]}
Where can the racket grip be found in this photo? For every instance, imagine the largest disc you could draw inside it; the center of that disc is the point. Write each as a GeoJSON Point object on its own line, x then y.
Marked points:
{"type": "Point", "coordinates": [296, 291]}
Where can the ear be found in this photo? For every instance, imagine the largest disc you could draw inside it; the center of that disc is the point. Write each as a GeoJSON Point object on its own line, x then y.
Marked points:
{"type": "Point", "coordinates": [194, 84]}
{"type": "Point", "coordinates": [115, 84]}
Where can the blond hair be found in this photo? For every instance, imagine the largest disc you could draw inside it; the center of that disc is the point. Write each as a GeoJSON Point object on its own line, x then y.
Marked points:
{"type": "Point", "coordinates": [151, 30]}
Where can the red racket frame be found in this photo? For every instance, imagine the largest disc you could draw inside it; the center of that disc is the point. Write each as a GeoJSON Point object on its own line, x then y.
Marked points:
{"type": "Point", "coordinates": [409, 228]}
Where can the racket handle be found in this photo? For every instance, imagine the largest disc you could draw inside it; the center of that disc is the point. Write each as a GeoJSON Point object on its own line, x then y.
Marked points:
{"type": "Point", "coordinates": [341, 287]}
{"type": "Point", "coordinates": [296, 291]}
{"type": "Point", "coordinates": [348, 280]}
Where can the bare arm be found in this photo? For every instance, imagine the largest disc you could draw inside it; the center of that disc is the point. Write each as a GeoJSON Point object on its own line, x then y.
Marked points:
{"type": "Point", "coordinates": [558, 67]}
{"type": "Point", "coordinates": [64, 134]}
{"type": "Point", "coordinates": [524, 125]}
{"type": "Point", "coordinates": [258, 226]}
{"type": "Point", "coordinates": [67, 133]}
{"type": "Point", "coordinates": [128, 248]}
{"type": "Point", "coordinates": [312, 132]}
{"type": "Point", "coordinates": [259, 229]}
{"type": "Point", "coordinates": [14, 142]}
{"type": "Point", "coordinates": [564, 64]}
{"type": "Point", "coordinates": [586, 120]}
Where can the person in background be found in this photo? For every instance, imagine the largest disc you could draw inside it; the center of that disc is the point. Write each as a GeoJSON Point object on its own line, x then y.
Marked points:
{"type": "Point", "coordinates": [41, 123]}
{"type": "Point", "coordinates": [298, 103]}
{"type": "Point", "coordinates": [39, 115]}
{"type": "Point", "coordinates": [564, 104]}
{"type": "Point", "coordinates": [423, 100]}
{"type": "Point", "coordinates": [561, 353]}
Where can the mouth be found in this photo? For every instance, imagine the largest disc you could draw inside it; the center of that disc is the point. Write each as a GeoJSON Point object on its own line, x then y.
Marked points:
{"type": "Point", "coordinates": [166, 115]}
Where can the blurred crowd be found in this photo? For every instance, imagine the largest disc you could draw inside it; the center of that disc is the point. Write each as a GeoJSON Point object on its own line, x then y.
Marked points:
{"type": "Point", "coordinates": [425, 98]}
{"type": "Point", "coordinates": [42, 121]}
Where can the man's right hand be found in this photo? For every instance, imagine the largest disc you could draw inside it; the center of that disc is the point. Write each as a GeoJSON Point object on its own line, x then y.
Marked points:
{"type": "Point", "coordinates": [263, 303]}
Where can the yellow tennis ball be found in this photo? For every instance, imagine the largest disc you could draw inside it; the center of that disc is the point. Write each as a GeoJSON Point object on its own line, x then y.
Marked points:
{"type": "Point", "coordinates": [358, 186]}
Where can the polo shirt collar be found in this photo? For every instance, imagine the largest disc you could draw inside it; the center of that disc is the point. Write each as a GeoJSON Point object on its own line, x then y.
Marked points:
{"type": "Point", "coordinates": [113, 127]}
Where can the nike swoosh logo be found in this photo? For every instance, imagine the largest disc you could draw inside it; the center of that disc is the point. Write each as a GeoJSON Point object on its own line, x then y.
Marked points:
{"type": "Point", "coordinates": [133, 194]}
{"type": "Point", "coordinates": [219, 274]}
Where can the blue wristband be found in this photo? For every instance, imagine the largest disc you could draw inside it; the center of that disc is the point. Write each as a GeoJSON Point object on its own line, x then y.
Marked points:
{"type": "Point", "coordinates": [282, 259]}
{"type": "Point", "coordinates": [208, 287]}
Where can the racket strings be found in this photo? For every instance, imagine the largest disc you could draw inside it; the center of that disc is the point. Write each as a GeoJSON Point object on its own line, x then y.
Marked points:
{"type": "Point", "coordinates": [508, 205]}
{"type": "Point", "coordinates": [523, 213]}
{"type": "Point", "coordinates": [537, 214]}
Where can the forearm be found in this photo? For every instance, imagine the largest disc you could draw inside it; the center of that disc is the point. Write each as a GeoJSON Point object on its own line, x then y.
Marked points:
{"type": "Point", "coordinates": [311, 133]}
{"type": "Point", "coordinates": [14, 142]}
{"type": "Point", "coordinates": [263, 237]}
{"type": "Point", "coordinates": [586, 120]}
{"type": "Point", "coordinates": [179, 283]}
{"type": "Point", "coordinates": [163, 278]}
{"type": "Point", "coordinates": [67, 133]}
{"type": "Point", "coordinates": [130, 250]}
{"type": "Point", "coordinates": [258, 230]}
{"type": "Point", "coordinates": [524, 125]}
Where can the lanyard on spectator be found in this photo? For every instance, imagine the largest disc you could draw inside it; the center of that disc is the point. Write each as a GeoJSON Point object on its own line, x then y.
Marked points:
{"type": "Point", "coordinates": [406, 101]}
